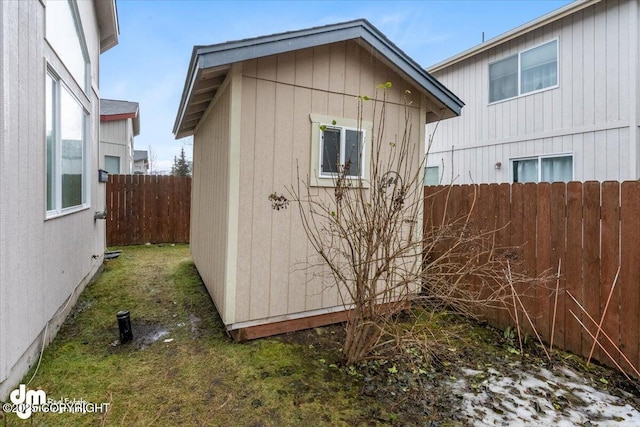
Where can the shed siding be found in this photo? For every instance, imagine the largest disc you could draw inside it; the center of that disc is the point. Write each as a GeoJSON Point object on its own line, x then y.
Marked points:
{"type": "Point", "coordinates": [589, 114]}
{"type": "Point", "coordinates": [210, 196]}
{"type": "Point", "coordinates": [278, 94]}
{"type": "Point", "coordinates": [44, 264]}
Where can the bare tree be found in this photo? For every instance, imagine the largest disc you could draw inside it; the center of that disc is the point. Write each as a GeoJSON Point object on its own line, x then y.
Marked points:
{"type": "Point", "coordinates": [153, 157]}
{"type": "Point", "coordinates": [368, 235]}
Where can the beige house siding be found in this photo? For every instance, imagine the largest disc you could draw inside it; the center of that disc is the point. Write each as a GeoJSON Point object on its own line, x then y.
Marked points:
{"type": "Point", "coordinates": [278, 95]}
{"type": "Point", "coordinates": [592, 114]}
{"type": "Point", "coordinates": [210, 196]}
{"type": "Point", "coordinates": [44, 264]}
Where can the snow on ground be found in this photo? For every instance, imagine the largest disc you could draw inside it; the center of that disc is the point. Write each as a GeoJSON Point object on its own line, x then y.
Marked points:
{"type": "Point", "coordinates": [538, 396]}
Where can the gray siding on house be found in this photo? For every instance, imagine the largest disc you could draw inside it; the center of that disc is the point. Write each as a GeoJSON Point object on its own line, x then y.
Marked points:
{"type": "Point", "coordinates": [44, 263]}
{"type": "Point", "coordinates": [116, 140]}
{"type": "Point", "coordinates": [592, 114]}
{"type": "Point", "coordinates": [22, 29]}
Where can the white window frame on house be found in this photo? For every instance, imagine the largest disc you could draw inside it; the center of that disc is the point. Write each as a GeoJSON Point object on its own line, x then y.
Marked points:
{"type": "Point", "coordinates": [113, 158]}
{"type": "Point", "coordinates": [540, 159]}
{"type": "Point", "coordinates": [57, 199]}
{"type": "Point", "coordinates": [519, 86]}
{"type": "Point", "coordinates": [68, 113]}
{"type": "Point", "coordinates": [63, 35]}
{"type": "Point", "coordinates": [320, 123]}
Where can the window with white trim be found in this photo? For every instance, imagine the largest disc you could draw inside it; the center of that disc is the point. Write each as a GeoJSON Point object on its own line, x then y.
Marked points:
{"type": "Point", "coordinates": [65, 35]}
{"type": "Point", "coordinates": [338, 144]}
{"type": "Point", "coordinates": [112, 164]}
{"type": "Point", "coordinates": [341, 149]}
{"type": "Point", "coordinates": [525, 72]}
{"type": "Point", "coordinates": [66, 150]}
{"type": "Point", "coordinates": [432, 175]}
{"type": "Point", "coordinates": [543, 169]}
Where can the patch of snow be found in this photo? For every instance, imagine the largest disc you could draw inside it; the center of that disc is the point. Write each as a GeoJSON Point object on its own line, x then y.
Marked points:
{"type": "Point", "coordinates": [538, 397]}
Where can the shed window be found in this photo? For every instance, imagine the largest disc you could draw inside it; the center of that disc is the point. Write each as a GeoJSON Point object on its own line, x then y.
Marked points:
{"type": "Point", "coordinates": [543, 169]}
{"type": "Point", "coordinates": [65, 148]}
{"type": "Point", "coordinates": [337, 143]}
{"type": "Point", "coordinates": [341, 149]}
{"type": "Point", "coordinates": [529, 71]}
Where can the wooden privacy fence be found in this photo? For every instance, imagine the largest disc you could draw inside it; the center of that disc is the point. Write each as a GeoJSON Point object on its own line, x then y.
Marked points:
{"type": "Point", "coordinates": [148, 208]}
{"type": "Point", "coordinates": [590, 229]}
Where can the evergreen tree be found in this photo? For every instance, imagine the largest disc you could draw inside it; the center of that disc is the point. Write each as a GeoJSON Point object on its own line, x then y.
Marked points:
{"type": "Point", "coordinates": [181, 166]}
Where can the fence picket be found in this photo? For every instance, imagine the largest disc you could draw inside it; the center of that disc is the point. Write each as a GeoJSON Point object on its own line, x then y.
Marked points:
{"type": "Point", "coordinates": [609, 262]}
{"type": "Point", "coordinates": [629, 270]}
{"type": "Point", "coordinates": [572, 262]}
{"type": "Point", "coordinates": [543, 259]}
{"type": "Point", "coordinates": [503, 199]}
{"type": "Point", "coordinates": [590, 259]}
{"type": "Point", "coordinates": [558, 239]}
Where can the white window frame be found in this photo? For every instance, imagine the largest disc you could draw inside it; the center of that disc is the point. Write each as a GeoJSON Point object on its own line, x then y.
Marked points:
{"type": "Point", "coordinates": [57, 209]}
{"type": "Point", "coordinates": [343, 138]}
{"type": "Point", "coordinates": [519, 82]}
{"type": "Point", "coordinates": [319, 179]}
{"type": "Point", "coordinates": [540, 158]}
{"type": "Point", "coordinates": [58, 48]}
{"type": "Point", "coordinates": [437, 168]}
{"type": "Point", "coordinates": [119, 163]}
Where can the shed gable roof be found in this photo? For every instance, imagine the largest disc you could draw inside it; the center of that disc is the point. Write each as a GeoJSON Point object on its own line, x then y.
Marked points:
{"type": "Point", "coordinates": [209, 66]}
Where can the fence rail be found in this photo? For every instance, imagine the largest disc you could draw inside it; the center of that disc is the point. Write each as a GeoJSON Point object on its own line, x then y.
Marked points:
{"type": "Point", "coordinates": [147, 208]}
{"type": "Point", "coordinates": [588, 229]}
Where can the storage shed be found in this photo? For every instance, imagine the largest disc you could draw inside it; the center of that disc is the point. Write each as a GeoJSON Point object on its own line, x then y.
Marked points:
{"type": "Point", "coordinates": [255, 109]}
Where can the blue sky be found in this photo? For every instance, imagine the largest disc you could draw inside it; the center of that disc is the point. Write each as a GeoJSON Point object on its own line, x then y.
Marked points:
{"type": "Point", "coordinates": [149, 64]}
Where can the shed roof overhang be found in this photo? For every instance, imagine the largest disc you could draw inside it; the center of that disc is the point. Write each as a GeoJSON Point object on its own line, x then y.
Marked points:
{"type": "Point", "coordinates": [209, 66]}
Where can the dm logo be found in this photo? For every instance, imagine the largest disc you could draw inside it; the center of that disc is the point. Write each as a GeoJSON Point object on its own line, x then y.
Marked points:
{"type": "Point", "coordinates": [26, 400]}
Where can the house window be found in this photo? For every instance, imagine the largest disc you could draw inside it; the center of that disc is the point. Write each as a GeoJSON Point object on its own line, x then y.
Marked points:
{"type": "Point", "coordinates": [65, 148]}
{"type": "Point", "coordinates": [432, 175]}
{"type": "Point", "coordinates": [338, 143]}
{"type": "Point", "coordinates": [112, 164]}
{"type": "Point", "coordinates": [65, 35]}
{"type": "Point", "coordinates": [543, 169]}
{"type": "Point", "coordinates": [340, 149]}
{"type": "Point", "coordinates": [503, 79]}
{"type": "Point", "coordinates": [529, 71]}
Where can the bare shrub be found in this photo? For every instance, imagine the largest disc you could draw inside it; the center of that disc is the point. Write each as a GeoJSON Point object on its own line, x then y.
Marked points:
{"type": "Point", "coordinates": [368, 235]}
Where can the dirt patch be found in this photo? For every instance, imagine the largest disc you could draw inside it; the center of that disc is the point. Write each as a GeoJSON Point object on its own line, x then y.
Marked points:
{"type": "Point", "coordinates": [481, 379]}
